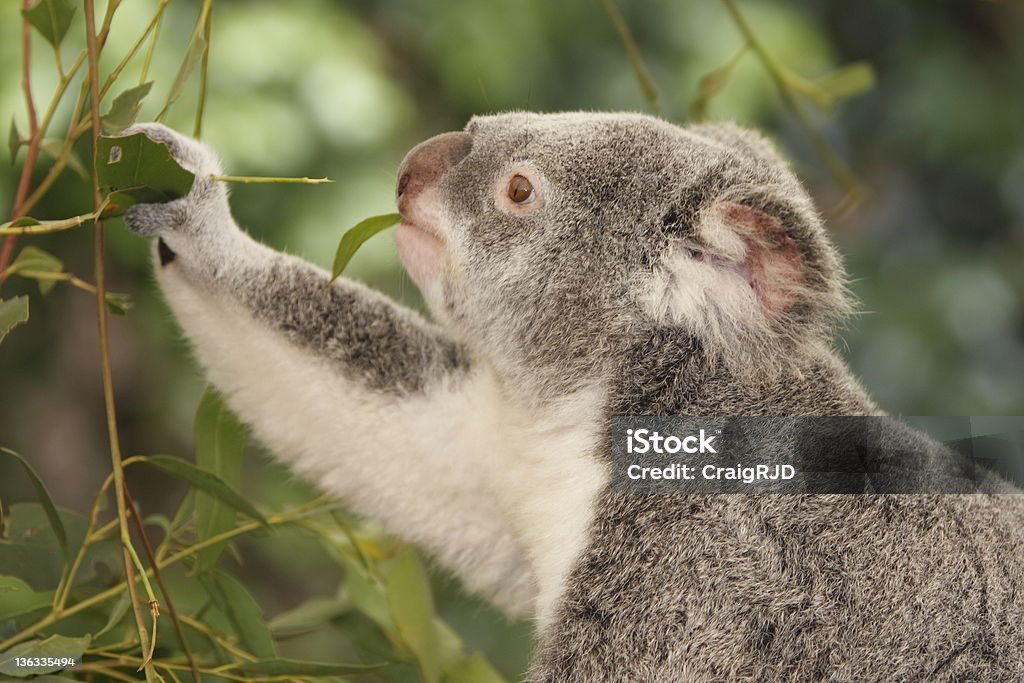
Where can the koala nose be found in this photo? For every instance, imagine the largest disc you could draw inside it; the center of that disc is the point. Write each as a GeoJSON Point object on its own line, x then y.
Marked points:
{"type": "Point", "coordinates": [428, 161]}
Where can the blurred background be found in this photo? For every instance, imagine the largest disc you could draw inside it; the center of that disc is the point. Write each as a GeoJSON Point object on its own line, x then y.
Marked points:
{"type": "Point", "coordinates": [344, 88]}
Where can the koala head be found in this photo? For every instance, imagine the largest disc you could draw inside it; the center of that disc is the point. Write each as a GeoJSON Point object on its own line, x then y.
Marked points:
{"type": "Point", "coordinates": [553, 240]}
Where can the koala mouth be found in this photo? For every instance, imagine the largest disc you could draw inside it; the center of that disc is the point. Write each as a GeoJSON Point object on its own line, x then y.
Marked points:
{"type": "Point", "coordinates": [421, 251]}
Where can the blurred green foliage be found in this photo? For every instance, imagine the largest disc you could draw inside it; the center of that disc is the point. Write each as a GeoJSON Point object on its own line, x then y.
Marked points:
{"type": "Point", "coordinates": [343, 89]}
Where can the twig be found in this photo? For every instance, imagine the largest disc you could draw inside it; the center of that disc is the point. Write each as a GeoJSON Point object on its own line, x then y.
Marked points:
{"type": "Point", "coordinates": [157, 21]}
{"type": "Point", "coordinates": [635, 58]}
{"type": "Point", "coordinates": [320, 504]}
{"type": "Point", "coordinates": [34, 139]}
{"type": "Point", "coordinates": [99, 246]}
{"type": "Point", "coordinates": [263, 179]}
{"type": "Point", "coordinates": [204, 67]}
{"type": "Point", "coordinates": [853, 188]}
{"type": "Point", "coordinates": [148, 548]}
{"type": "Point", "coordinates": [45, 227]}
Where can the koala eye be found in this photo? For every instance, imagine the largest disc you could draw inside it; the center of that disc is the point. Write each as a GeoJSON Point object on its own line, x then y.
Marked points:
{"type": "Point", "coordinates": [520, 190]}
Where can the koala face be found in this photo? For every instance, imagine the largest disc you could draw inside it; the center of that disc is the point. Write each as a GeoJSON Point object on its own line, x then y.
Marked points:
{"type": "Point", "coordinates": [550, 238]}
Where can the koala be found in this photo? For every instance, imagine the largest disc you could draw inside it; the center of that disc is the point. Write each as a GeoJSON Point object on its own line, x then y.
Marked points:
{"type": "Point", "coordinates": [579, 266]}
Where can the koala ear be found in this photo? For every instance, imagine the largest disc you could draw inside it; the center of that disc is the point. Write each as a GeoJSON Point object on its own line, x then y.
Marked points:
{"type": "Point", "coordinates": [752, 244]}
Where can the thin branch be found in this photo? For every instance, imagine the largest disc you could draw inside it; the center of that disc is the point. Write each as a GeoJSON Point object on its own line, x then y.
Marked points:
{"type": "Point", "coordinates": [44, 227]}
{"type": "Point", "coordinates": [203, 68]}
{"type": "Point", "coordinates": [263, 179]}
{"type": "Point", "coordinates": [99, 247]}
{"type": "Point", "coordinates": [152, 43]}
{"type": "Point", "coordinates": [33, 143]}
{"type": "Point", "coordinates": [852, 186]}
{"type": "Point", "coordinates": [643, 76]}
{"type": "Point", "coordinates": [148, 548]}
{"type": "Point", "coordinates": [320, 504]}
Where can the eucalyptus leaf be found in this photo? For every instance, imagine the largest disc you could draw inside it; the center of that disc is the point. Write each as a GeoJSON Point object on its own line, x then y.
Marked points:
{"type": "Point", "coordinates": [17, 598]}
{"type": "Point", "coordinates": [843, 83]}
{"type": "Point", "coordinates": [712, 83]}
{"type": "Point", "coordinates": [220, 444]}
{"type": "Point", "coordinates": [134, 169]}
{"type": "Point", "coordinates": [847, 81]}
{"type": "Point", "coordinates": [308, 616]}
{"type": "Point", "coordinates": [119, 304]}
{"type": "Point", "coordinates": [34, 259]}
{"type": "Point", "coordinates": [30, 550]}
{"type": "Point", "coordinates": [13, 141]}
{"type": "Point", "coordinates": [244, 613]}
{"type": "Point", "coordinates": [206, 482]}
{"type": "Point", "coordinates": [412, 609]}
{"type": "Point", "coordinates": [47, 502]}
{"type": "Point", "coordinates": [193, 58]}
{"type": "Point", "coordinates": [366, 594]}
{"type": "Point", "coordinates": [475, 669]}
{"type": "Point", "coordinates": [355, 236]}
{"type": "Point", "coordinates": [52, 647]}
{"type": "Point", "coordinates": [125, 108]}
{"type": "Point", "coordinates": [13, 312]}
{"type": "Point", "coordinates": [52, 18]}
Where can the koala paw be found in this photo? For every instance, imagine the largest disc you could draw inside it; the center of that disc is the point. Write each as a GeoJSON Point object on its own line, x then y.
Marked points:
{"type": "Point", "coordinates": [202, 210]}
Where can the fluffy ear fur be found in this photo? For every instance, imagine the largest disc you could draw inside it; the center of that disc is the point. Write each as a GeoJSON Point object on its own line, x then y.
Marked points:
{"type": "Point", "coordinates": [749, 279]}
{"type": "Point", "coordinates": [753, 246]}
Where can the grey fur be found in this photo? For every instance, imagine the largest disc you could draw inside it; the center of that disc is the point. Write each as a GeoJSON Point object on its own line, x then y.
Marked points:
{"type": "Point", "coordinates": [671, 588]}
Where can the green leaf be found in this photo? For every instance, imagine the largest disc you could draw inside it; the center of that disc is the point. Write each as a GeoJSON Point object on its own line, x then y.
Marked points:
{"type": "Point", "coordinates": [292, 667]}
{"type": "Point", "coordinates": [712, 83]}
{"type": "Point", "coordinates": [17, 598]}
{"type": "Point", "coordinates": [125, 108]}
{"type": "Point", "coordinates": [476, 669]}
{"type": "Point", "coordinates": [308, 616]}
{"type": "Point", "coordinates": [193, 57]}
{"type": "Point", "coordinates": [119, 304]}
{"type": "Point", "coordinates": [355, 236]}
{"type": "Point", "coordinates": [54, 646]}
{"type": "Point", "coordinates": [52, 18]}
{"type": "Point", "coordinates": [136, 169]}
{"type": "Point", "coordinates": [848, 81]}
{"type": "Point", "coordinates": [367, 594]}
{"type": "Point", "coordinates": [220, 445]}
{"type": "Point", "coordinates": [14, 141]}
{"type": "Point", "coordinates": [30, 550]}
{"type": "Point", "coordinates": [244, 613]}
{"type": "Point", "coordinates": [13, 312]}
{"type": "Point", "coordinates": [34, 259]}
{"type": "Point", "coordinates": [843, 83]}
{"type": "Point", "coordinates": [47, 502]}
{"type": "Point", "coordinates": [205, 481]}
{"type": "Point", "coordinates": [117, 613]}
{"type": "Point", "coordinates": [412, 609]}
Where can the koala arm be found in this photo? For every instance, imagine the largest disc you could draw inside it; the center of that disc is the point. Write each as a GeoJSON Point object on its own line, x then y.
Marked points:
{"type": "Point", "coordinates": [354, 392]}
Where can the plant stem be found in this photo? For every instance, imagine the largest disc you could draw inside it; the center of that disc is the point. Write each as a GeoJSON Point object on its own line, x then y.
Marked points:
{"type": "Point", "coordinates": [643, 76]}
{"type": "Point", "coordinates": [153, 23]}
{"type": "Point", "coordinates": [318, 505]}
{"type": "Point", "coordinates": [854, 190]}
{"type": "Point", "coordinates": [158, 575]}
{"type": "Point", "coordinates": [45, 227]}
{"type": "Point", "coordinates": [34, 139]}
{"type": "Point", "coordinates": [203, 68]}
{"type": "Point", "coordinates": [99, 247]}
{"type": "Point", "coordinates": [157, 21]}
{"type": "Point", "coordinates": [263, 179]}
